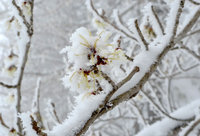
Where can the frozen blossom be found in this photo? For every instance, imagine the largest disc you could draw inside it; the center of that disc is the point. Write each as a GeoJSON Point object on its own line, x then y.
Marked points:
{"type": "Point", "coordinates": [89, 56]}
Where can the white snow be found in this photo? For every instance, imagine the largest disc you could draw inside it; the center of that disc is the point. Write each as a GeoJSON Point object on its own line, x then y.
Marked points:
{"type": "Point", "coordinates": [161, 128]}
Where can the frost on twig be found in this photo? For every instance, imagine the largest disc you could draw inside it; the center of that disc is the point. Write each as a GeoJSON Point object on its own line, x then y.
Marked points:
{"type": "Point", "coordinates": [36, 105]}
{"type": "Point", "coordinates": [24, 17]}
{"type": "Point", "coordinates": [51, 112]}
{"type": "Point", "coordinates": [163, 126]}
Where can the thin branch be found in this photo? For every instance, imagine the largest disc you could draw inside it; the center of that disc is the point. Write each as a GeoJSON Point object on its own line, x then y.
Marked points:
{"type": "Point", "coordinates": [133, 72]}
{"type": "Point", "coordinates": [157, 19]}
{"type": "Point", "coordinates": [141, 35]}
{"type": "Point", "coordinates": [180, 9]}
{"type": "Point", "coordinates": [119, 46]}
{"type": "Point", "coordinates": [29, 27]}
{"type": "Point", "coordinates": [188, 50]}
{"type": "Point", "coordinates": [21, 14]}
{"type": "Point", "coordinates": [178, 73]}
{"type": "Point", "coordinates": [55, 113]}
{"type": "Point", "coordinates": [192, 33]}
{"type": "Point", "coordinates": [131, 6]}
{"type": "Point", "coordinates": [156, 96]}
{"type": "Point", "coordinates": [8, 86]}
{"type": "Point", "coordinates": [104, 19]}
{"type": "Point", "coordinates": [140, 113]}
{"type": "Point", "coordinates": [119, 22]}
{"type": "Point", "coordinates": [114, 119]}
{"type": "Point", "coordinates": [194, 2]}
{"type": "Point", "coordinates": [160, 110]}
{"type": "Point", "coordinates": [192, 127]}
{"type": "Point", "coordinates": [36, 104]}
{"type": "Point", "coordinates": [179, 64]}
{"type": "Point", "coordinates": [110, 81]}
{"type": "Point", "coordinates": [169, 94]}
{"type": "Point", "coordinates": [3, 123]}
{"type": "Point", "coordinates": [129, 58]}
{"type": "Point", "coordinates": [189, 25]}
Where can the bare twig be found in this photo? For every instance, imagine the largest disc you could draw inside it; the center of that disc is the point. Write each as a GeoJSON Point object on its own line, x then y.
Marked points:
{"type": "Point", "coordinates": [110, 81]}
{"type": "Point", "coordinates": [115, 119]}
{"type": "Point", "coordinates": [115, 87]}
{"type": "Point", "coordinates": [119, 22]}
{"type": "Point", "coordinates": [104, 19]}
{"type": "Point", "coordinates": [140, 113]}
{"type": "Point", "coordinates": [169, 94]}
{"type": "Point", "coordinates": [157, 19]}
{"type": "Point", "coordinates": [3, 123]}
{"type": "Point", "coordinates": [8, 86]}
{"type": "Point", "coordinates": [160, 110]}
{"type": "Point", "coordinates": [188, 50]}
{"type": "Point", "coordinates": [128, 9]}
{"type": "Point", "coordinates": [141, 35]}
{"type": "Point", "coordinates": [55, 113]}
{"type": "Point", "coordinates": [21, 14]}
{"type": "Point", "coordinates": [133, 72]}
{"type": "Point", "coordinates": [189, 25]}
{"type": "Point", "coordinates": [119, 46]}
{"type": "Point", "coordinates": [180, 9]}
{"type": "Point", "coordinates": [178, 73]}
{"type": "Point", "coordinates": [179, 64]}
{"type": "Point", "coordinates": [194, 2]}
{"type": "Point", "coordinates": [156, 96]}
{"type": "Point", "coordinates": [129, 58]}
{"type": "Point", "coordinates": [192, 33]}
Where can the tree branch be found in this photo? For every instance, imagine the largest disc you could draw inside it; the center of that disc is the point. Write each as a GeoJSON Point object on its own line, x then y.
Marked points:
{"type": "Point", "coordinates": [141, 35]}
{"type": "Point", "coordinates": [104, 19]}
{"type": "Point", "coordinates": [193, 125]}
{"type": "Point", "coordinates": [8, 86]}
{"type": "Point", "coordinates": [29, 27]}
{"type": "Point", "coordinates": [157, 19]}
{"type": "Point", "coordinates": [189, 25]}
{"type": "Point", "coordinates": [161, 111]}
{"type": "Point", "coordinates": [194, 2]}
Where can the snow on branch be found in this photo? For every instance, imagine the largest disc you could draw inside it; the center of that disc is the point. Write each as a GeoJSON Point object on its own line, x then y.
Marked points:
{"type": "Point", "coordinates": [163, 126]}
{"type": "Point", "coordinates": [90, 61]}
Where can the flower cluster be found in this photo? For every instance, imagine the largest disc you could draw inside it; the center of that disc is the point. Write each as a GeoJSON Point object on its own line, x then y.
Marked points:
{"type": "Point", "coordinates": [90, 55]}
